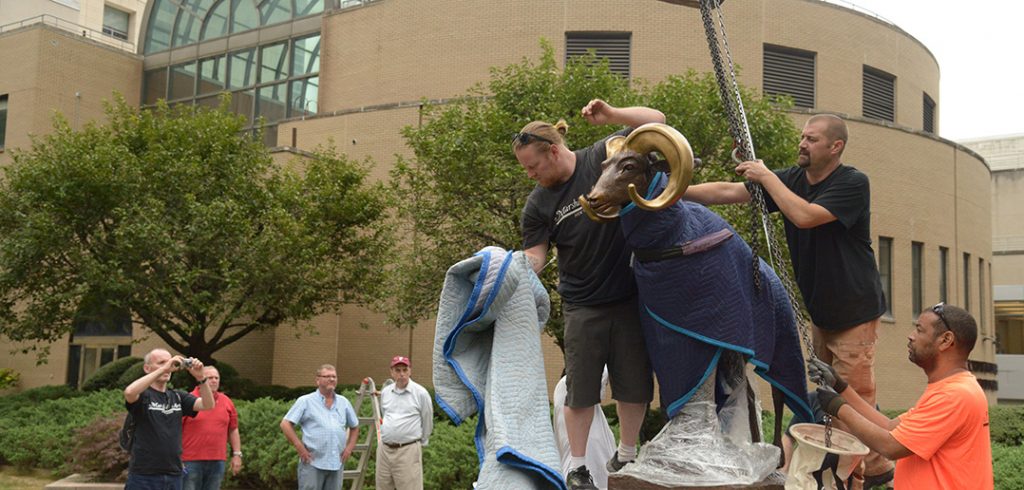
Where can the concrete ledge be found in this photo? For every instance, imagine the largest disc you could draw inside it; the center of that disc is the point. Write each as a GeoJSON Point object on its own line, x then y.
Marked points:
{"type": "Point", "coordinates": [82, 482]}
{"type": "Point", "coordinates": [775, 481]}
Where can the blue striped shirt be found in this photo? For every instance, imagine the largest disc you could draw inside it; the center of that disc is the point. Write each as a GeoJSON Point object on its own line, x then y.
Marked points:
{"type": "Point", "coordinates": [324, 430]}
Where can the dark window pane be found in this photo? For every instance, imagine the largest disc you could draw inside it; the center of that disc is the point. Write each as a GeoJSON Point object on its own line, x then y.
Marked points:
{"type": "Point", "coordinates": [89, 358]}
{"type": "Point", "coordinates": [241, 103]}
{"type": "Point", "coordinates": [306, 55]}
{"type": "Point", "coordinates": [928, 123]}
{"type": "Point", "coordinates": [967, 282]}
{"type": "Point", "coordinates": [212, 74]}
{"type": "Point", "coordinates": [216, 24]}
{"type": "Point", "coordinates": [917, 279]}
{"type": "Point", "coordinates": [274, 62]}
{"type": "Point", "coordinates": [885, 271]}
{"type": "Point", "coordinates": [183, 81]}
{"type": "Point", "coordinates": [981, 296]}
{"type": "Point", "coordinates": [161, 22]}
{"type": "Point", "coordinates": [106, 355]}
{"type": "Point", "coordinates": [74, 364]}
{"type": "Point", "coordinates": [115, 22]}
{"type": "Point", "coordinates": [274, 11]}
{"type": "Point", "coordinates": [155, 86]}
{"type": "Point", "coordinates": [3, 119]}
{"type": "Point", "coordinates": [302, 98]}
{"type": "Point", "coordinates": [270, 103]}
{"type": "Point", "coordinates": [124, 351]}
{"type": "Point", "coordinates": [242, 69]}
{"type": "Point", "coordinates": [211, 102]}
{"type": "Point", "coordinates": [244, 15]}
{"type": "Point", "coordinates": [943, 274]}
{"type": "Point", "coordinates": [307, 7]}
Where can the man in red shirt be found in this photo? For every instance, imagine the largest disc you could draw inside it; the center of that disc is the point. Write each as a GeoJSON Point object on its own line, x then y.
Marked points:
{"type": "Point", "coordinates": [205, 438]}
{"type": "Point", "coordinates": [943, 440]}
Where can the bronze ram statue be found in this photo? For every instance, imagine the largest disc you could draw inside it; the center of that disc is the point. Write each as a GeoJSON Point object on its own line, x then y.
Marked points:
{"type": "Point", "coordinates": [703, 318]}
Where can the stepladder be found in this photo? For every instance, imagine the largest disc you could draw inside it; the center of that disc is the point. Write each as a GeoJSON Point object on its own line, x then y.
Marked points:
{"type": "Point", "coordinates": [369, 435]}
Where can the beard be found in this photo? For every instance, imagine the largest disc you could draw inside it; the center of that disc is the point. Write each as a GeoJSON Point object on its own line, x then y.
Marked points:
{"type": "Point", "coordinates": [803, 160]}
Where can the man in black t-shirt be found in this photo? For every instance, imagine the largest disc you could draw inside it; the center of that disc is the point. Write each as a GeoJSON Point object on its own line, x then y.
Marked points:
{"type": "Point", "coordinates": [602, 325]}
{"type": "Point", "coordinates": [826, 208]}
{"type": "Point", "coordinates": [155, 462]}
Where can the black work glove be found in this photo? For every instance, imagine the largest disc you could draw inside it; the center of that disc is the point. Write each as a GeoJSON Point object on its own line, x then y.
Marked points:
{"type": "Point", "coordinates": [823, 375]}
{"type": "Point", "coordinates": [830, 401]}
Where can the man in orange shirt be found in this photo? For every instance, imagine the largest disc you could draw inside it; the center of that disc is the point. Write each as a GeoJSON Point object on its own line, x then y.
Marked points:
{"type": "Point", "coordinates": [943, 440]}
{"type": "Point", "coordinates": [205, 438]}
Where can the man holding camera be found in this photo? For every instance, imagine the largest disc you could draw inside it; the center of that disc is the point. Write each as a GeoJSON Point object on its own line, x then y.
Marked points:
{"type": "Point", "coordinates": [155, 462]}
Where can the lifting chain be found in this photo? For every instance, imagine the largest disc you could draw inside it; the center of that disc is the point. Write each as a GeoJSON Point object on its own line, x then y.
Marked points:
{"type": "Point", "coordinates": [732, 102]}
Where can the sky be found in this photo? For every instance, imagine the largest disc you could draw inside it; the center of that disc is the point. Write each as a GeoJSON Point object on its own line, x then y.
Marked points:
{"type": "Point", "coordinates": [979, 45]}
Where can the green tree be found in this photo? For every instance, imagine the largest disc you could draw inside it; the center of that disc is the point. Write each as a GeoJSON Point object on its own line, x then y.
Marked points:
{"type": "Point", "coordinates": [181, 221]}
{"type": "Point", "coordinates": [465, 190]}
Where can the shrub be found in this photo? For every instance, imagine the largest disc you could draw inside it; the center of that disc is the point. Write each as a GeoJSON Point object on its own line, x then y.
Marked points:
{"type": "Point", "coordinates": [1006, 424]}
{"type": "Point", "coordinates": [34, 396]}
{"type": "Point", "coordinates": [108, 375]}
{"type": "Point", "coordinates": [449, 461]}
{"type": "Point", "coordinates": [269, 460]}
{"type": "Point", "coordinates": [130, 374]}
{"type": "Point", "coordinates": [96, 449]}
{"type": "Point", "coordinates": [39, 435]}
{"type": "Point", "coordinates": [1008, 465]}
{"type": "Point", "coordinates": [8, 378]}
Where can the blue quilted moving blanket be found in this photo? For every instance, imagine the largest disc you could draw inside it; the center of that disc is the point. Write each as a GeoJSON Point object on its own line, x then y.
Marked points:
{"type": "Point", "coordinates": [488, 362]}
{"type": "Point", "coordinates": [694, 306]}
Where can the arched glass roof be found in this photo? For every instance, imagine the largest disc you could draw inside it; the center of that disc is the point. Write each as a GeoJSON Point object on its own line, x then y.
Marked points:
{"type": "Point", "coordinates": [175, 23]}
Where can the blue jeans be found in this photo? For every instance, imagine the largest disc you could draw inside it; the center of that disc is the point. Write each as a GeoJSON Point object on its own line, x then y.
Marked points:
{"type": "Point", "coordinates": [153, 482]}
{"type": "Point", "coordinates": [203, 475]}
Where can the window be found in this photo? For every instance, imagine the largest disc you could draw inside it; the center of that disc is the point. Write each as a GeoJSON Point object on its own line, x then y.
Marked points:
{"type": "Point", "coordinates": [982, 308]}
{"type": "Point", "coordinates": [943, 274]}
{"type": "Point", "coordinates": [929, 114]}
{"type": "Point", "coordinates": [612, 46]}
{"type": "Point", "coordinates": [885, 271]}
{"type": "Point", "coordinates": [183, 81]}
{"type": "Point", "coordinates": [3, 120]}
{"type": "Point", "coordinates": [100, 337]}
{"type": "Point", "coordinates": [967, 281]}
{"type": "Point", "coordinates": [789, 72]}
{"type": "Point", "coordinates": [879, 94]}
{"type": "Point", "coordinates": [115, 22]}
{"type": "Point", "coordinates": [212, 74]}
{"type": "Point", "coordinates": [273, 62]}
{"type": "Point", "coordinates": [916, 293]}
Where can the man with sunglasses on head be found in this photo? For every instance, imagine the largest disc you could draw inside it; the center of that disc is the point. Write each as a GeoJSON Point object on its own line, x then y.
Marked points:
{"type": "Point", "coordinates": [943, 440]}
{"type": "Point", "coordinates": [595, 282]}
{"type": "Point", "coordinates": [826, 209]}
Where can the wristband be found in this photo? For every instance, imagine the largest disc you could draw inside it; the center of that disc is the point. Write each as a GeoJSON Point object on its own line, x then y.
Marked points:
{"type": "Point", "coordinates": [237, 453]}
{"type": "Point", "coordinates": [202, 381]}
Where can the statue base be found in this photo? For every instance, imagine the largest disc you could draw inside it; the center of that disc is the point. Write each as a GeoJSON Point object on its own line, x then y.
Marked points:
{"type": "Point", "coordinates": [775, 481]}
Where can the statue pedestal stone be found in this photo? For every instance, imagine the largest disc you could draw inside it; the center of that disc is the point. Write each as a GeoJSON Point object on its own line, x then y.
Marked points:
{"type": "Point", "coordinates": [775, 481]}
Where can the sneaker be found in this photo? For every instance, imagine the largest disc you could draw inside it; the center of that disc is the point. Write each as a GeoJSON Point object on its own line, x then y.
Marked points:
{"type": "Point", "coordinates": [614, 464]}
{"type": "Point", "coordinates": [579, 479]}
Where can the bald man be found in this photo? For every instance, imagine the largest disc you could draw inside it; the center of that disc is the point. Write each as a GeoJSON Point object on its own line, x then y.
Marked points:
{"type": "Point", "coordinates": [826, 208]}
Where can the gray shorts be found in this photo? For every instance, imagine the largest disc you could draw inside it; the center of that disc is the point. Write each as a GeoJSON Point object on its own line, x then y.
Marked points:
{"type": "Point", "coordinates": [601, 335]}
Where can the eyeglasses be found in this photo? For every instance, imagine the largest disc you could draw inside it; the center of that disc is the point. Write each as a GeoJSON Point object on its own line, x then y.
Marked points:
{"type": "Point", "coordinates": [938, 309]}
{"type": "Point", "coordinates": [525, 138]}
{"type": "Point", "coordinates": [329, 376]}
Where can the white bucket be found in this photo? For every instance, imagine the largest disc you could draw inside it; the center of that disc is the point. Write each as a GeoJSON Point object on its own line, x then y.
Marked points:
{"type": "Point", "coordinates": [812, 459]}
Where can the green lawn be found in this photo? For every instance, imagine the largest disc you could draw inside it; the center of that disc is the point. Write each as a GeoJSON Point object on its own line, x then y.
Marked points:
{"type": "Point", "coordinates": [13, 479]}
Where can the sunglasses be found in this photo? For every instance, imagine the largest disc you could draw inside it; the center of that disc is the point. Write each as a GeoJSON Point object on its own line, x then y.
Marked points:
{"type": "Point", "coordinates": [525, 138]}
{"type": "Point", "coordinates": [938, 309]}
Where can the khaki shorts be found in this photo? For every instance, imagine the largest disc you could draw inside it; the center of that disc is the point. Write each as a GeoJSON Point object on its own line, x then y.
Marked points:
{"type": "Point", "coordinates": [600, 335]}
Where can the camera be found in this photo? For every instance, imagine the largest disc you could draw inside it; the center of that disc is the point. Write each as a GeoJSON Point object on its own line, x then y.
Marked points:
{"type": "Point", "coordinates": [187, 362]}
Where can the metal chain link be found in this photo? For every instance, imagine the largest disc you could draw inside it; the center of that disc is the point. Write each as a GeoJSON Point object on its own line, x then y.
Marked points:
{"type": "Point", "coordinates": [732, 102]}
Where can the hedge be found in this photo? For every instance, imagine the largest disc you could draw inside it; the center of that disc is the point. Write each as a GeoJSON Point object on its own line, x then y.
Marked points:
{"type": "Point", "coordinates": [107, 377]}
{"type": "Point", "coordinates": [65, 430]}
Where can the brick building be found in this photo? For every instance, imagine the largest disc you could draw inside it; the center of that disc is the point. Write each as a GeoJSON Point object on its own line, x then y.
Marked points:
{"type": "Point", "coordinates": [355, 70]}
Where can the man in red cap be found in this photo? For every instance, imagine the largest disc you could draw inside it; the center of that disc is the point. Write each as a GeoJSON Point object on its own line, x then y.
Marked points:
{"type": "Point", "coordinates": [408, 420]}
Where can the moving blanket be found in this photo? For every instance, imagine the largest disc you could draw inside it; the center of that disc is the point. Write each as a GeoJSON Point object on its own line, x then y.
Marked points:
{"type": "Point", "coordinates": [695, 305]}
{"type": "Point", "coordinates": [488, 361]}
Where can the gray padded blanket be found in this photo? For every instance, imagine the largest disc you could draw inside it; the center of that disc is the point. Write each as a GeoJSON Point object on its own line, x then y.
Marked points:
{"type": "Point", "coordinates": [488, 362]}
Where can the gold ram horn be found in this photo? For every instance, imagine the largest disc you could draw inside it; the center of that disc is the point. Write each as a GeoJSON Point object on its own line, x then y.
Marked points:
{"type": "Point", "coordinates": [673, 145]}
